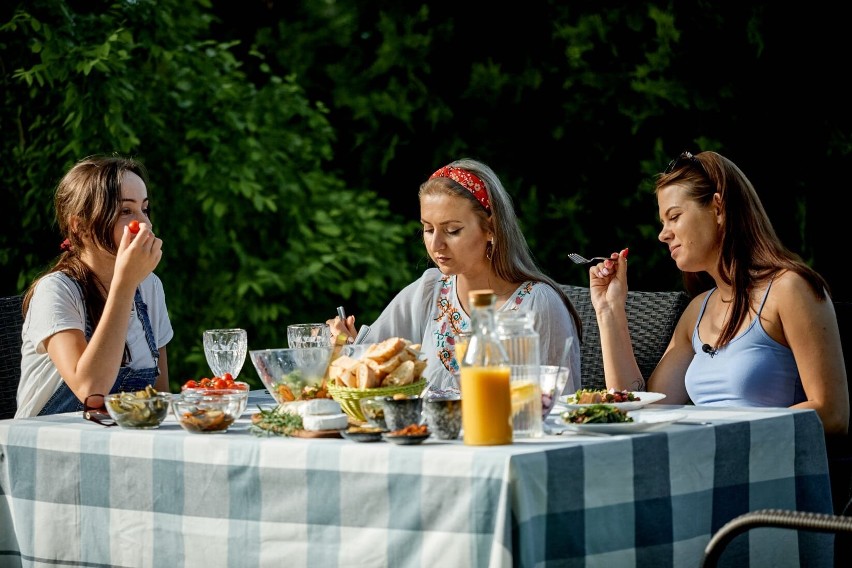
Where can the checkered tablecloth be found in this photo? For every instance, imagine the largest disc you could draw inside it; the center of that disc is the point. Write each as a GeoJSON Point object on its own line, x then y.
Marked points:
{"type": "Point", "coordinates": [75, 493]}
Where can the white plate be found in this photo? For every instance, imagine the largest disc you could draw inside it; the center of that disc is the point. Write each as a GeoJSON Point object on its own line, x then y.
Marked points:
{"type": "Point", "coordinates": [644, 398]}
{"type": "Point", "coordinates": [642, 422]}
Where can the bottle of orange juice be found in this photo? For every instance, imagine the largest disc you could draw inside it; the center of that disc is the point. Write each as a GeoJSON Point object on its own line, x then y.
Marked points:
{"type": "Point", "coordinates": [485, 378]}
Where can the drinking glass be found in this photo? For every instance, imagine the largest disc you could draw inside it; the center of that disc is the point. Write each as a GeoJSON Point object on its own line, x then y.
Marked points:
{"type": "Point", "coordinates": [308, 335]}
{"type": "Point", "coordinates": [225, 350]}
{"type": "Point", "coordinates": [526, 401]}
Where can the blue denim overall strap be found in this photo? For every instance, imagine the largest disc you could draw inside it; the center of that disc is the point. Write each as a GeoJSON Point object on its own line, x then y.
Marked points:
{"type": "Point", "coordinates": [64, 400]}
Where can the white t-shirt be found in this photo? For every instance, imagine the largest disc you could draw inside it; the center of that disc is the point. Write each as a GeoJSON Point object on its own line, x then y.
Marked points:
{"type": "Point", "coordinates": [422, 310]}
{"type": "Point", "coordinates": [57, 305]}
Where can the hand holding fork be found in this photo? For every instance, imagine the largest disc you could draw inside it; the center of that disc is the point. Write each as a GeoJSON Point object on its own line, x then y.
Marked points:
{"type": "Point", "coordinates": [579, 259]}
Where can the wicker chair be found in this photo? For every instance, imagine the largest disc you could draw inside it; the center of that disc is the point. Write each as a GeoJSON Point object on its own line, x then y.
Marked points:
{"type": "Point", "coordinates": [651, 318]}
{"type": "Point", "coordinates": [11, 322]}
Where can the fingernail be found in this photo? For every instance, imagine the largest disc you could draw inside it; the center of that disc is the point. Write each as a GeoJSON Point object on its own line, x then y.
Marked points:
{"type": "Point", "coordinates": [625, 252]}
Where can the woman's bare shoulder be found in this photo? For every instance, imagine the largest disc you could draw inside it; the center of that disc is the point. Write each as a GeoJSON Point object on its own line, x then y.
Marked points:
{"type": "Point", "coordinates": [791, 288]}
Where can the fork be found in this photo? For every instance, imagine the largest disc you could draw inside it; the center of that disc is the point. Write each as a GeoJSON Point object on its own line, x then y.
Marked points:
{"type": "Point", "coordinates": [578, 259]}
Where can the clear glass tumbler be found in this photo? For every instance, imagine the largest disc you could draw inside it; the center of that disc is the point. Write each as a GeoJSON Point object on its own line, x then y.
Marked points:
{"type": "Point", "coordinates": [308, 335]}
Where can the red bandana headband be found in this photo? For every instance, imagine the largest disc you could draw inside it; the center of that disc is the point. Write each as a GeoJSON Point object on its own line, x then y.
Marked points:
{"type": "Point", "coordinates": [468, 180]}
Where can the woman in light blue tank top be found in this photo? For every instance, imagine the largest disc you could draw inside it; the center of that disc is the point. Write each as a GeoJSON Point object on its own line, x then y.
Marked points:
{"type": "Point", "coordinates": [761, 328]}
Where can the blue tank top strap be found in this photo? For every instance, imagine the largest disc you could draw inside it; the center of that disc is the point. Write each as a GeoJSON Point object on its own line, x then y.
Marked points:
{"type": "Point", "coordinates": [765, 295]}
{"type": "Point", "coordinates": [703, 307]}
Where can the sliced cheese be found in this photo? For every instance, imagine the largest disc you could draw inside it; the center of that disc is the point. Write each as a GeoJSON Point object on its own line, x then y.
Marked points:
{"type": "Point", "coordinates": [325, 421]}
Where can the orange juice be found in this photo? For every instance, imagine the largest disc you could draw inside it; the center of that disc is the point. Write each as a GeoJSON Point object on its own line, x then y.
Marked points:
{"type": "Point", "coordinates": [486, 406]}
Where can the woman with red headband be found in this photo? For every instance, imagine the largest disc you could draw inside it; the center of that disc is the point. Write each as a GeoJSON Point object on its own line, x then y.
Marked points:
{"type": "Point", "coordinates": [472, 236]}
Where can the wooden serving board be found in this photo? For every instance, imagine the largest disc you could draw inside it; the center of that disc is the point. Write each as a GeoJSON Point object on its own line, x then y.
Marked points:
{"type": "Point", "coordinates": [316, 434]}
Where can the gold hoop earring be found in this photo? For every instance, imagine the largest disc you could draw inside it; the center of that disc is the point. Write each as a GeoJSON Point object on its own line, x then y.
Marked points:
{"type": "Point", "coordinates": [489, 250]}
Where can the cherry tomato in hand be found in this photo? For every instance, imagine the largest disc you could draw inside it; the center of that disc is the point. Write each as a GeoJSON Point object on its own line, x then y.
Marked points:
{"type": "Point", "coordinates": [133, 226]}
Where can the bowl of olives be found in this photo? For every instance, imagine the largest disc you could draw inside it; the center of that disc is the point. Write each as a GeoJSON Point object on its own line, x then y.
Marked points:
{"type": "Point", "coordinates": [144, 409]}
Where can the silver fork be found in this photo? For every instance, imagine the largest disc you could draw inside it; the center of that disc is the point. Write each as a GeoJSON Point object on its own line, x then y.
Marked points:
{"type": "Point", "coordinates": [577, 259]}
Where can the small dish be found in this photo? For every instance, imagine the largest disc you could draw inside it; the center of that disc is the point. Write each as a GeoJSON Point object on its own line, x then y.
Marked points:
{"type": "Point", "coordinates": [374, 412]}
{"type": "Point", "coordinates": [405, 440]}
{"type": "Point", "coordinates": [362, 434]}
{"type": "Point", "coordinates": [143, 410]}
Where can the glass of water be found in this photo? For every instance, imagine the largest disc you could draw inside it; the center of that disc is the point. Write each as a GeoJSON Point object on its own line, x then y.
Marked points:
{"type": "Point", "coordinates": [308, 335]}
{"type": "Point", "coordinates": [225, 350]}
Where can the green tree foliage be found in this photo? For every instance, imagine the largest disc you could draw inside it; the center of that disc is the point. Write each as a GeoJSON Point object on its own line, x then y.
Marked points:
{"type": "Point", "coordinates": [287, 140]}
{"type": "Point", "coordinates": [259, 230]}
{"type": "Point", "coordinates": [577, 105]}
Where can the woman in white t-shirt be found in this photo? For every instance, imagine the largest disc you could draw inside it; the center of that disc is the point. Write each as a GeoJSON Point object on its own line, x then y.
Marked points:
{"type": "Point", "coordinates": [473, 237]}
{"type": "Point", "coordinates": [97, 321]}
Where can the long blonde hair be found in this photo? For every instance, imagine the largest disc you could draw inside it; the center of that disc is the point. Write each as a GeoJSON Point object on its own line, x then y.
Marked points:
{"type": "Point", "coordinates": [510, 254]}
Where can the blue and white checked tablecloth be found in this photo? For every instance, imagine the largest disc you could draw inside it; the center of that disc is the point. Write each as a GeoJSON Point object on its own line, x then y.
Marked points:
{"type": "Point", "coordinates": [75, 493]}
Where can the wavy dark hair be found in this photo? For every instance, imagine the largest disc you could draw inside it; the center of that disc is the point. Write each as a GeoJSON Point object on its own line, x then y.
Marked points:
{"type": "Point", "coordinates": [751, 252]}
{"type": "Point", "coordinates": [511, 256]}
{"type": "Point", "coordinates": [91, 193]}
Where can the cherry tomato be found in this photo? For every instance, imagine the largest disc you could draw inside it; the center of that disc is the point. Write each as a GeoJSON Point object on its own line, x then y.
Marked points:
{"type": "Point", "coordinates": [133, 226]}
{"type": "Point", "coordinates": [228, 377]}
{"type": "Point", "coordinates": [220, 384]}
{"type": "Point", "coordinates": [191, 384]}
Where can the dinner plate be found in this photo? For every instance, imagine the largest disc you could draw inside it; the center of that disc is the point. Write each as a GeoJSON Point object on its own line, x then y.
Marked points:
{"type": "Point", "coordinates": [642, 422]}
{"type": "Point", "coordinates": [645, 398]}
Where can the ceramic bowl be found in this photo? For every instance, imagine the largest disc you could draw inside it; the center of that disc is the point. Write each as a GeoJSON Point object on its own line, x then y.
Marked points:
{"type": "Point", "coordinates": [443, 416]}
{"type": "Point", "coordinates": [401, 411]}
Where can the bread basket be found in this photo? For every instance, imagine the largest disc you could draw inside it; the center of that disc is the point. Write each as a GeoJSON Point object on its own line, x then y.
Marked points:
{"type": "Point", "coordinates": [350, 398]}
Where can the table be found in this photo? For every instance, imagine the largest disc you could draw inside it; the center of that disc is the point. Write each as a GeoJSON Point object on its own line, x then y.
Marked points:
{"type": "Point", "coordinates": [75, 492]}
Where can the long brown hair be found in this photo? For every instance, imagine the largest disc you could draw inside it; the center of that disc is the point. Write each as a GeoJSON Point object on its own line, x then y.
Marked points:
{"type": "Point", "coordinates": [90, 193]}
{"type": "Point", "coordinates": [751, 252]}
{"type": "Point", "coordinates": [511, 257]}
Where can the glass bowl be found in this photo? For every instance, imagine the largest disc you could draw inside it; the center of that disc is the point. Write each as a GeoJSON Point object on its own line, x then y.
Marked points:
{"type": "Point", "coordinates": [144, 409]}
{"type": "Point", "coordinates": [238, 386]}
{"type": "Point", "coordinates": [207, 413]}
{"type": "Point", "coordinates": [374, 412]}
{"type": "Point", "coordinates": [286, 373]}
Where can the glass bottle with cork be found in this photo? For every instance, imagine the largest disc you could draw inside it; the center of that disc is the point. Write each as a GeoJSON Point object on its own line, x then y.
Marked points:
{"type": "Point", "coordinates": [485, 378]}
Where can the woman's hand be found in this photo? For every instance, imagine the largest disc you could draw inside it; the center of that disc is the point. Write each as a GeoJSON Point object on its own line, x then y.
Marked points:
{"type": "Point", "coordinates": [138, 255]}
{"type": "Point", "coordinates": [608, 281]}
{"type": "Point", "coordinates": [338, 326]}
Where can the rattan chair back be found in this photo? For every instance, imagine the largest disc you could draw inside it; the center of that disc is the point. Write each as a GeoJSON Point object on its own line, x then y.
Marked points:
{"type": "Point", "coordinates": [11, 323]}
{"type": "Point", "coordinates": [651, 318]}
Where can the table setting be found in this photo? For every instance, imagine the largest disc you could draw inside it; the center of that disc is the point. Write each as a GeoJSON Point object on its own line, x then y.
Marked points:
{"type": "Point", "coordinates": [393, 483]}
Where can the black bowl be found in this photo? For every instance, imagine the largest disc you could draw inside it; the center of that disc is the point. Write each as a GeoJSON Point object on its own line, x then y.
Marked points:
{"type": "Point", "coordinates": [362, 434]}
{"type": "Point", "coordinates": [409, 440]}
